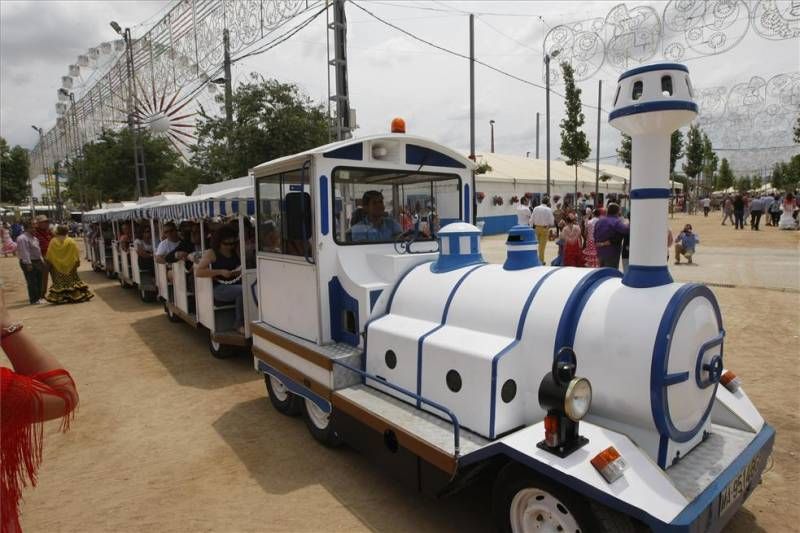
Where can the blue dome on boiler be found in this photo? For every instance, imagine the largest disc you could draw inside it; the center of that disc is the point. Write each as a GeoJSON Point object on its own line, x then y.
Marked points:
{"type": "Point", "coordinates": [459, 246]}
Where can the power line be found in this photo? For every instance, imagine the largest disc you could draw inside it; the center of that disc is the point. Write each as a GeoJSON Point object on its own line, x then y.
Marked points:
{"type": "Point", "coordinates": [452, 10]}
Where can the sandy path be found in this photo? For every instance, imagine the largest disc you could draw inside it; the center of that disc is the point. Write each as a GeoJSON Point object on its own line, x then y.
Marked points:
{"type": "Point", "coordinates": [169, 439]}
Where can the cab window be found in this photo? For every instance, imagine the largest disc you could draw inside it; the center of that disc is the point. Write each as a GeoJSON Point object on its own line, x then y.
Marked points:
{"type": "Point", "coordinates": [284, 214]}
{"type": "Point", "coordinates": [378, 206]}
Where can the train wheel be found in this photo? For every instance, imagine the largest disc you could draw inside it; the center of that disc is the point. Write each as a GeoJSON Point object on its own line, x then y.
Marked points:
{"type": "Point", "coordinates": [523, 501]}
{"type": "Point", "coordinates": [220, 351]}
{"type": "Point", "coordinates": [282, 400]}
{"type": "Point", "coordinates": [170, 315]}
{"type": "Point", "coordinates": [319, 424]}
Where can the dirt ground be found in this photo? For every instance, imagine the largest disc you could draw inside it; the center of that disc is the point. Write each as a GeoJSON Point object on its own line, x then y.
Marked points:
{"type": "Point", "coordinates": [169, 439]}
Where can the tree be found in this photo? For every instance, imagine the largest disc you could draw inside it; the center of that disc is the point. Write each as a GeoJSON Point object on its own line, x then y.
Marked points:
{"type": "Point", "coordinates": [694, 154]}
{"type": "Point", "coordinates": [675, 149]}
{"type": "Point", "coordinates": [756, 182]}
{"type": "Point", "coordinates": [270, 120]}
{"type": "Point", "coordinates": [624, 150]}
{"type": "Point", "coordinates": [797, 130]}
{"type": "Point", "coordinates": [744, 184]}
{"type": "Point", "coordinates": [725, 178]}
{"type": "Point", "coordinates": [183, 178]}
{"type": "Point", "coordinates": [13, 174]}
{"type": "Point", "coordinates": [710, 161]}
{"type": "Point", "coordinates": [574, 145]}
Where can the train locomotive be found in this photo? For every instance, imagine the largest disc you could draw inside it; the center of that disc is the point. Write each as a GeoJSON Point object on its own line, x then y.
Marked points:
{"type": "Point", "coordinates": [596, 401]}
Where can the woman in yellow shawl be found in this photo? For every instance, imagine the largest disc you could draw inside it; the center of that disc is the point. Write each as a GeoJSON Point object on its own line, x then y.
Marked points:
{"type": "Point", "coordinates": [64, 259]}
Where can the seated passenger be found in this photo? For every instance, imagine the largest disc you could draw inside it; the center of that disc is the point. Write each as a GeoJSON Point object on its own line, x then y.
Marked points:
{"type": "Point", "coordinates": [124, 239]}
{"type": "Point", "coordinates": [144, 249]}
{"type": "Point", "coordinates": [376, 226]}
{"type": "Point", "coordinates": [168, 245]}
{"type": "Point", "coordinates": [222, 263]}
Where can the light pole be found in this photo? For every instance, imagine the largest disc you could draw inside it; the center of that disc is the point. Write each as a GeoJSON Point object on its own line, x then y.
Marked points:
{"type": "Point", "coordinates": [44, 164]}
{"type": "Point", "coordinates": [547, 58]}
{"type": "Point", "coordinates": [138, 151]}
{"type": "Point", "coordinates": [491, 129]}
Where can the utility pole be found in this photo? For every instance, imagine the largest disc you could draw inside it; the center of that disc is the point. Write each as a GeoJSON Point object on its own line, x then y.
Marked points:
{"type": "Point", "coordinates": [226, 41]}
{"type": "Point", "coordinates": [472, 87]}
{"type": "Point", "coordinates": [491, 134]}
{"type": "Point", "coordinates": [547, 58]}
{"type": "Point", "coordinates": [342, 97]}
{"type": "Point", "coordinates": [597, 146]}
{"type": "Point", "coordinates": [537, 135]}
{"type": "Point", "coordinates": [133, 124]}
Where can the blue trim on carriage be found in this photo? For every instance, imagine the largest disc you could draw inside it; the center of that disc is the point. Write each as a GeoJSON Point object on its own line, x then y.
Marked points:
{"type": "Point", "coordinates": [648, 107]}
{"type": "Point", "coordinates": [467, 204]}
{"type": "Point", "coordinates": [650, 193]}
{"type": "Point", "coordinates": [651, 68]}
{"type": "Point", "coordinates": [643, 276]}
{"type": "Point", "coordinates": [323, 204]}
{"type": "Point", "coordinates": [661, 379]}
{"type": "Point", "coordinates": [420, 155]}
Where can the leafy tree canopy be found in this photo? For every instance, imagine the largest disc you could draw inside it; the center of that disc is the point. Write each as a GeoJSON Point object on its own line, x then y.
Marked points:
{"type": "Point", "coordinates": [13, 174]}
{"type": "Point", "coordinates": [725, 178]}
{"type": "Point", "coordinates": [675, 149]}
{"type": "Point", "coordinates": [694, 152]}
{"type": "Point", "coordinates": [624, 150]}
{"type": "Point", "coordinates": [270, 120]}
{"type": "Point", "coordinates": [574, 145]}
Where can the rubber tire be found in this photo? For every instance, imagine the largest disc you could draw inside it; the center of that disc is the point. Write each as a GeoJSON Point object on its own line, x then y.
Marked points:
{"type": "Point", "coordinates": [145, 296]}
{"type": "Point", "coordinates": [222, 351]}
{"type": "Point", "coordinates": [326, 436]}
{"type": "Point", "coordinates": [592, 518]}
{"type": "Point", "coordinates": [170, 315]}
{"type": "Point", "coordinates": [291, 406]}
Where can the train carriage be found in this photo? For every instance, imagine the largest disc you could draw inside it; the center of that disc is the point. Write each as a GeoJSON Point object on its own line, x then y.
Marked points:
{"type": "Point", "coordinates": [598, 401]}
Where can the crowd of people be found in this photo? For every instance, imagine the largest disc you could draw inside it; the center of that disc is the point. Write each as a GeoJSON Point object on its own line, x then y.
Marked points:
{"type": "Point", "coordinates": [593, 237]}
{"type": "Point", "coordinates": [45, 251]}
{"type": "Point", "coordinates": [778, 211]}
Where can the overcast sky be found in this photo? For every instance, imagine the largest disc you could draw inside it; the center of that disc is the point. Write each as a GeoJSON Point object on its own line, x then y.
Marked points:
{"type": "Point", "coordinates": [390, 74]}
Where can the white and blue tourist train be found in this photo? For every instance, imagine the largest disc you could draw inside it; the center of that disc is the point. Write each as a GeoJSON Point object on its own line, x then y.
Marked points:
{"type": "Point", "coordinates": [599, 402]}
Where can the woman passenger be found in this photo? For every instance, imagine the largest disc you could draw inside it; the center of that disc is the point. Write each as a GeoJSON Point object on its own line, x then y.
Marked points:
{"type": "Point", "coordinates": [222, 263]}
{"type": "Point", "coordinates": [144, 249]}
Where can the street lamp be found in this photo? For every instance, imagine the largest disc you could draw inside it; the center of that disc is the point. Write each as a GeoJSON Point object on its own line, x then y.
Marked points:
{"type": "Point", "coordinates": [491, 127]}
{"type": "Point", "coordinates": [547, 58]}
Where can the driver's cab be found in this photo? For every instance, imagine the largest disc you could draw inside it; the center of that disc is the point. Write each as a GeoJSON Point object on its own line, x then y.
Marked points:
{"type": "Point", "coordinates": [340, 224]}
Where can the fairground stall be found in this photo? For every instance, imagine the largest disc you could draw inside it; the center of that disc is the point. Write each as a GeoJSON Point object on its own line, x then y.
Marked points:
{"type": "Point", "coordinates": [597, 402]}
{"type": "Point", "coordinates": [190, 298]}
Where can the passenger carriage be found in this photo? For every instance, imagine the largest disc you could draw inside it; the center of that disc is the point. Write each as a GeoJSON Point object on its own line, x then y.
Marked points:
{"type": "Point", "coordinates": [189, 298]}
{"type": "Point", "coordinates": [596, 401]}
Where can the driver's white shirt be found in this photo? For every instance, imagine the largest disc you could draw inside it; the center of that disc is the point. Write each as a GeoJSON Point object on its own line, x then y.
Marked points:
{"type": "Point", "coordinates": [166, 246]}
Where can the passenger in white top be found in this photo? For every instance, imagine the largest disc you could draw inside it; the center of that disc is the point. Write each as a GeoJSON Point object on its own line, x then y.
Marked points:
{"type": "Point", "coordinates": [168, 244]}
{"type": "Point", "coordinates": [523, 212]}
{"type": "Point", "coordinates": [542, 220]}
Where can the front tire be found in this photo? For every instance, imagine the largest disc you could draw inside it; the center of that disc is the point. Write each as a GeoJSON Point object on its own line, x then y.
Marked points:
{"type": "Point", "coordinates": [285, 402]}
{"type": "Point", "coordinates": [170, 315]}
{"type": "Point", "coordinates": [524, 501]}
{"type": "Point", "coordinates": [320, 425]}
{"type": "Point", "coordinates": [219, 351]}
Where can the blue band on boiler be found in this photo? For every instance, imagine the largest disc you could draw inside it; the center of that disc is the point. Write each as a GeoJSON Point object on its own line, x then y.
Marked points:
{"type": "Point", "coordinates": [649, 194]}
{"type": "Point", "coordinates": [640, 276]}
{"type": "Point", "coordinates": [658, 105]}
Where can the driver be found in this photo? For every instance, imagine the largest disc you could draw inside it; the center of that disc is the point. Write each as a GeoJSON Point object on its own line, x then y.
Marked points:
{"type": "Point", "coordinates": [376, 225]}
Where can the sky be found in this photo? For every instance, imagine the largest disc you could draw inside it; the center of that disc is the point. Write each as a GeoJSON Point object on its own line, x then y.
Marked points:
{"type": "Point", "coordinates": [390, 74]}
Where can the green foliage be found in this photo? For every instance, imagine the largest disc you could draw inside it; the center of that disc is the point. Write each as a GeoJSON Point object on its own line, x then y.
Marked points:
{"type": "Point", "coordinates": [483, 167]}
{"type": "Point", "coordinates": [183, 178]}
{"type": "Point", "coordinates": [797, 130]}
{"type": "Point", "coordinates": [710, 162]}
{"type": "Point", "coordinates": [675, 149]}
{"type": "Point", "coordinates": [106, 171]}
{"type": "Point", "coordinates": [725, 177]}
{"type": "Point", "coordinates": [744, 184]}
{"type": "Point", "coordinates": [694, 152]}
{"type": "Point", "coordinates": [13, 174]}
{"type": "Point", "coordinates": [756, 182]}
{"type": "Point", "coordinates": [786, 174]}
{"type": "Point", "coordinates": [270, 120]}
{"type": "Point", "coordinates": [574, 145]}
{"type": "Point", "coordinates": [624, 150]}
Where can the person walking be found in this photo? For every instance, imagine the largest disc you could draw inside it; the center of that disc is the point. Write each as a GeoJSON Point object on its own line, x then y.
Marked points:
{"type": "Point", "coordinates": [685, 244]}
{"type": "Point", "coordinates": [43, 235]}
{"type": "Point", "coordinates": [706, 203]}
{"type": "Point", "coordinates": [738, 211]}
{"type": "Point", "coordinates": [608, 234]}
{"type": "Point", "coordinates": [523, 212]}
{"type": "Point", "coordinates": [755, 213]}
{"type": "Point", "coordinates": [64, 259]}
{"type": "Point", "coordinates": [30, 261]}
{"type": "Point", "coordinates": [571, 236]}
{"type": "Point", "coordinates": [542, 219]}
{"type": "Point", "coordinates": [590, 250]}
{"type": "Point", "coordinates": [9, 246]}
{"type": "Point", "coordinates": [766, 205]}
{"type": "Point", "coordinates": [775, 210]}
{"type": "Point", "coordinates": [727, 210]}
{"type": "Point", "coordinates": [36, 390]}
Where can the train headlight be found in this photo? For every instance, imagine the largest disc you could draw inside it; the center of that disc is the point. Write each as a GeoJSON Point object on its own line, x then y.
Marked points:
{"type": "Point", "coordinates": [578, 398]}
{"type": "Point", "coordinates": [566, 399]}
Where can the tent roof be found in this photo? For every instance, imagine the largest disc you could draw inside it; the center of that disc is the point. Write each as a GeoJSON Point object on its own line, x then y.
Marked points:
{"type": "Point", "coordinates": [507, 167]}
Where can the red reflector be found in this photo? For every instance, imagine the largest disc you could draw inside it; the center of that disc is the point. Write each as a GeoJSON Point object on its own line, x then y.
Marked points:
{"type": "Point", "coordinates": [610, 464]}
{"type": "Point", "coordinates": [730, 381]}
{"type": "Point", "coordinates": [551, 431]}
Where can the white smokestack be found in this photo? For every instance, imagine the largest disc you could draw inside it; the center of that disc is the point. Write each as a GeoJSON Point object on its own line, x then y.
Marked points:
{"type": "Point", "coordinates": [651, 102]}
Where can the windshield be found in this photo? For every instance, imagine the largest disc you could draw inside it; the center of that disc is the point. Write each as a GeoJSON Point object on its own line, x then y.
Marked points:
{"type": "Point", "coordinates": [379, 206]}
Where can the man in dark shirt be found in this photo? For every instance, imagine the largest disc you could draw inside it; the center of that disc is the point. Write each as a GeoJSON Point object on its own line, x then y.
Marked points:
{"type": "Point", "coordinates": [738, 212]}
{"type": "Point", "coordinates": [608, 234]}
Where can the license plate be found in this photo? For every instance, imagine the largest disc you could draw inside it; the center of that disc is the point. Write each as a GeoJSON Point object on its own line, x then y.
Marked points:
{"type": "Point", "coordinates": [738, 485]}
